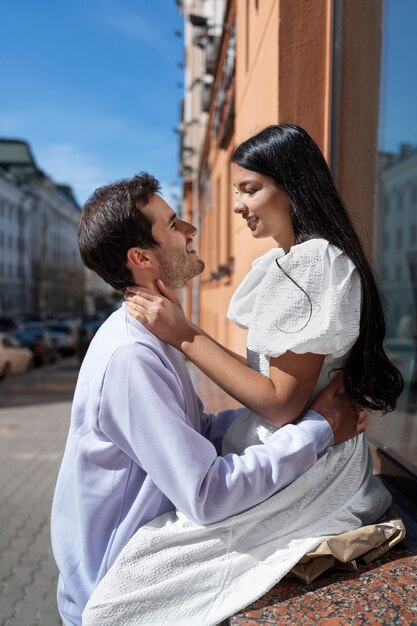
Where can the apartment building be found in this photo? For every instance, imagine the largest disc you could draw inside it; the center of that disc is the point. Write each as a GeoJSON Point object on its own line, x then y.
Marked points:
{"type": "Point", "coordinates": [343, 70]}
{"type": "Point", "coordinates": [40, 266]}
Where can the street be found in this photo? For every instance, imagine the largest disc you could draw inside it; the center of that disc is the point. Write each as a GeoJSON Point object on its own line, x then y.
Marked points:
{"type": "Point", "coordinates": [34, 416]}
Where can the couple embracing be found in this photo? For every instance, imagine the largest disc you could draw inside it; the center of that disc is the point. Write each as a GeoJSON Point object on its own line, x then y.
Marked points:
{"type": "Point", "coordinates": [164, 514]}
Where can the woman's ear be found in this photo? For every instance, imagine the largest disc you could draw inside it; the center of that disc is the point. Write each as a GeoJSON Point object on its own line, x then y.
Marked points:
{"type": "Point", "coordinates": [139, 258]}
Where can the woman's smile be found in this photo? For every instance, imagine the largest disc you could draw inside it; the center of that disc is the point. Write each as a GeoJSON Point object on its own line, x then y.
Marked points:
{"type": "Point", "coordinates": [265, 207]}
{"type": "Point", "coordinates": [252, 221]}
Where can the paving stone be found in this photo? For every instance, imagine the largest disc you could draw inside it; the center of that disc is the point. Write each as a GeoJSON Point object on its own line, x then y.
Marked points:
{"type": "Point", "coordinates": [32, 439]}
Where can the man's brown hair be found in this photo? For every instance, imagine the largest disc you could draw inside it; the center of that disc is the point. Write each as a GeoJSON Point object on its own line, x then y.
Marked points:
{"type": "Point", "coordinates": [112, 222]}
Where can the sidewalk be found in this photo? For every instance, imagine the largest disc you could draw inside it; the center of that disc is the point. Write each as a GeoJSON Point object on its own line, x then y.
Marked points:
{"type": "Point", "coordinates": [32, 436]}
{"type": "Point", "coordinates": [33, 430]}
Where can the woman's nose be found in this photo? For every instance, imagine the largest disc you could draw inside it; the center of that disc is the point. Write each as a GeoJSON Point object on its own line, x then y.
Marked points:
{"type": "Point", "coordinates": [239, 207]}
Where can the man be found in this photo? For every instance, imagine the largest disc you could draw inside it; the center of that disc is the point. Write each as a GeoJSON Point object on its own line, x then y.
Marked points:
{"type": "Point", "coordinates": [139, 442]}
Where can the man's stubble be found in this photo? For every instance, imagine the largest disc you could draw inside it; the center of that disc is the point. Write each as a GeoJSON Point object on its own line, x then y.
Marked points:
{"type": "Point", "coordinates": [177, 267]}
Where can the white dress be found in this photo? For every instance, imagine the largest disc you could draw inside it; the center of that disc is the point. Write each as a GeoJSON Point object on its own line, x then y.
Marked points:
{"type": "Point", "coordinates": [176, 572]}
{"type": "Point", "coordinates": [310, 302]}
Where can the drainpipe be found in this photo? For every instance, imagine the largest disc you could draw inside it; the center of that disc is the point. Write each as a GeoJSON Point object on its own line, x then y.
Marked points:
{"type": "Point", "coordinates": [335, 18]}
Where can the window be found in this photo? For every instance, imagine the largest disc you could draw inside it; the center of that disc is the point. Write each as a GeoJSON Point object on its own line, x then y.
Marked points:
{"type": "Point", "coordinates": [414, 194]}
{"type": "Point", "coordinates": [399, 237]}
{"type": "Point", "coordinates": [398, 182]}
{"type": "Point", "coordinates": [400, 200]}
{"type": "Point", "coordinates": [398, 272]}
{"type": "Point", "coordinates": [413, 234]}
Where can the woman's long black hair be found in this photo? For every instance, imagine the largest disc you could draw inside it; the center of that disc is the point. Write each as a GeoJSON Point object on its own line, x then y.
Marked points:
{"type": "Point", "coordinates": [287, 154]}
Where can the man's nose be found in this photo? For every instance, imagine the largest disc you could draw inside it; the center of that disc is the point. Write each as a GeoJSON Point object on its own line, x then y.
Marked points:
{"type": "Point", "coordinates": [189, 229]}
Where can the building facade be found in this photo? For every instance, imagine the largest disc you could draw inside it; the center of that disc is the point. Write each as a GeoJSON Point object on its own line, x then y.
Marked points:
{"type": "Point", "coordinates": [275, 61]}
{"type": "Point", "coordinates": [396, 247]}
{"type": "Point", "coordinates": [40, 266]}
{"type": "Point", "coordinates": [57, 280]}
{"type": "Point", "coordinates": [343, 70]}
{"type": "Point", "coordinates": [15, 269]}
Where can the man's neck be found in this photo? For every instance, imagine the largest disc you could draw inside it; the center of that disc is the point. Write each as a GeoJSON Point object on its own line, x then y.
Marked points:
{"type": "Point", "coordinates": [151, 284]}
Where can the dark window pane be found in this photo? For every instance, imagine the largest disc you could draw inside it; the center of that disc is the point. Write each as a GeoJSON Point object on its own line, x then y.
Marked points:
{"type": "Point", "coordinates": [396, 222]}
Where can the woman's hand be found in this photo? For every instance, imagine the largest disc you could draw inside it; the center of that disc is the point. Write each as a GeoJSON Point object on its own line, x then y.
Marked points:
{"type": "Point", "coordinates": [161, 313]}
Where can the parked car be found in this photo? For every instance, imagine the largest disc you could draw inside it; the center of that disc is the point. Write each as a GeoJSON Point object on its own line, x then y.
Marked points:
{"type": "Point", "coordinates": [28, 319]}
{"type": "Point", "coordinates": [14, 358]}
{"type": "Point", "coordinates": [7, 324]}
{"type": "Point", "coordinates": [86, 332]}
{"type": "Point", "coordinates": [40, 342]}
{"type": "Point", "coordinates": [64, 335]}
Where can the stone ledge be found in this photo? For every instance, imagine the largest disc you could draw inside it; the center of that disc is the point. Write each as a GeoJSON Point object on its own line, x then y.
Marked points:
{"type": "Point", "coordinates": [383, 592]}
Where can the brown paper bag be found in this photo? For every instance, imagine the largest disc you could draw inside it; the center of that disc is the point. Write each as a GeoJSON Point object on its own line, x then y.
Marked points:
{"type": "Point", "coordinates": [341, 551]}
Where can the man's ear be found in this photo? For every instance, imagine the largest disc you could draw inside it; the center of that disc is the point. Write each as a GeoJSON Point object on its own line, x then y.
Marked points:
{"type": "Point", "coordinates": [140, 258]}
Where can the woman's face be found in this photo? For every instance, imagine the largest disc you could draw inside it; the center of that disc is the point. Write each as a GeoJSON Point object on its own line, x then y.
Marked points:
{"type": "Point", "coordinates": [264, 206]}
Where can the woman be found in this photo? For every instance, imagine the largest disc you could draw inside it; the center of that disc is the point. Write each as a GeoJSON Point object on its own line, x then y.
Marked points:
{"type": "Point", "coordinates": [302, 299]}
{"type": "Point", "coordinates": [311, 307]}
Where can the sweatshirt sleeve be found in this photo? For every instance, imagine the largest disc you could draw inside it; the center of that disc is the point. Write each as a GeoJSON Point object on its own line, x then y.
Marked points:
{"type": "Point", "coordinates": [215, 426]}
{"type": "Point", "coordinates": [143, 412]}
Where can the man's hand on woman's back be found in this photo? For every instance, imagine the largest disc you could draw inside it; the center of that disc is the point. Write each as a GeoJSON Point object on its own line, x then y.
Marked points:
{"type": "Point", "coordinates": [346, 419]}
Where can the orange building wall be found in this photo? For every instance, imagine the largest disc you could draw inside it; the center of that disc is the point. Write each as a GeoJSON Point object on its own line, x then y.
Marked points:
{"type": "Point", "coordinates": [357, 119]}
{"type": "Point", "coordinates": [283, 73]}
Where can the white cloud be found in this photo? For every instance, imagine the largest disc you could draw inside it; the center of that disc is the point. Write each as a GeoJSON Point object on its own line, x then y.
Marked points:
{"type": "Point", "coordinates": [172, 193]}
{"type": "Point", "coordinates": [67, 163]}
{"type": "Point", "coordinates": [133, 26]}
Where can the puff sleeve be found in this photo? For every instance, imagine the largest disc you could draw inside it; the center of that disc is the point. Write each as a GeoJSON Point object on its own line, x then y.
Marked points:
{"type": "Point", "coordinates": [308, 301]}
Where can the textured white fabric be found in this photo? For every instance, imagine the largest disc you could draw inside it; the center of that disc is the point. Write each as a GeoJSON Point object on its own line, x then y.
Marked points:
{"type": "Point", "coordinates": [281, 317]}
{"type": "Point", "coordinates": [320, 313]}
{"type": "Point", "coordinates": [178, 573]}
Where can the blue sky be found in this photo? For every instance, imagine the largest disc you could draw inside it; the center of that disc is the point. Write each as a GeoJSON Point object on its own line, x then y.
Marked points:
{"type": "Point", "coordinates": [398, 112]}
{"type": "Point", "coordinates": [92, 85]}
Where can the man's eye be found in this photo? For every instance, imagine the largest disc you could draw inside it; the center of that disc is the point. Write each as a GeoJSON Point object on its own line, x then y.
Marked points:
{"type": "Point", "coordinates": [173, 224]}
{"type": "Point", "coordinates": [250, 192]}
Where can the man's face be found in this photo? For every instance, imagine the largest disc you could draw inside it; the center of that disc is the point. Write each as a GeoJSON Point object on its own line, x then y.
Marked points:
{"type": "Point", "coordinates": [178, 261]}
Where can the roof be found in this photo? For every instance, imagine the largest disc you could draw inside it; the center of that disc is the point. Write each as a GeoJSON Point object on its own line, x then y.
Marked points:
{"type": "Point", "coordinates": [68, 193]}
{"type": "Point", "coordinates": [16, 157]}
